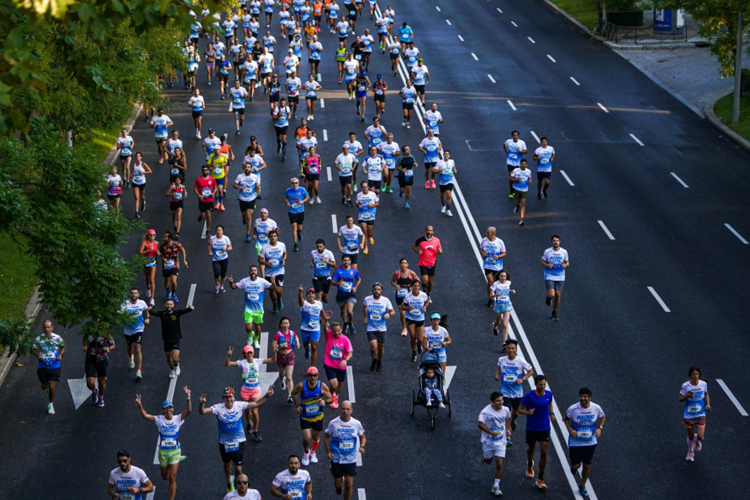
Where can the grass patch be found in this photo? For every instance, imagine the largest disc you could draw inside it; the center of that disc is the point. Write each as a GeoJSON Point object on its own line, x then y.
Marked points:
{"type": "Point", "coordinates": [16, 277]}
{"type": "Point", "coordinates": [723, 110]}
{"type": "Point", "coordinates": [102, 140]}
{"type": "Point", "coordinates": [583, 10]}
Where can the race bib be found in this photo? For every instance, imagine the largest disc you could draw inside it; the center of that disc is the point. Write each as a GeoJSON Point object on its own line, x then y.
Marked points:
{"type": "Point", "coordinates": [169, 264]}
{"type": "Point", "coordinates": [345, 286]}
{"type": "Point", "coordinates": [694, 408]}
{"type": "Point", "coordinates": [401, 293]}
{"type": "Point", "coordinates": [585, 434]}
{"type": "Point", "coordinates": [336, 352]}
{"type": "Point", "coordinates": [346, 445]}
{"type": "Point", "coordinates": [168, 443]}
{"type": "Point", "coordinates": [253, 296]}
{"type": "Point", "coordinates": [512, 156]}
{"type": "Point", "coordinates": [509, 377]}
{"type": "Point", "coordinates": [321, 265]}
{"type": "Point", "coordinates": [174, 171]}
{"type": "Point", "coordinates": [207, 193]}
{"type": "Point", "coordinates": [312, 408]}
{"type": "Point", "coordinates": [273, 262]}
{"type": "Point", "coordinates": [314, 324]}
{"type": "Point", "coordinates": [218, 170]}
{"type": "Point", "coordinates": [376, 316]}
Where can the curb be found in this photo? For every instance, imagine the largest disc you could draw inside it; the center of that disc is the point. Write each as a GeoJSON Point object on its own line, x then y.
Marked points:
{"type": "Point", "coordinates": [35, 303]}
{"type": "Point", "coordinates": [723, 128]}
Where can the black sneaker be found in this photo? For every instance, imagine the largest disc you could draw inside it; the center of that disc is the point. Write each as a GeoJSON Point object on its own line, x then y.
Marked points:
{"type": "Point", "coordinates": [380, 365]}
{"type": "Point", "coordinates": [548, 301]}
{"type": "Point", "coordinates": [496, 330]}
{"type": "Point", "coordinates": [244, 221]}
{"type": "Point", "coordinates": [489, 303]}
{"type": "Point", "coordinates": [413, 356]}
{"type": "Point", "coordinates": [352, 330]}
{"type": "Point", "coordinates": [256, 437]}
{"type": "Point", "coordinates": [513, 425]}
{"type": "Point", "coordinates": [515, 209]}
{"type": "Point", "coordinates": [343, 200]}
{"type": "Point", "coordinates": [419, 348]}
{"type": "Point", "coordinates": [299, 235]}
{"type": "Point", "coordinates": [545, 194]}
{"type": "Point", "coordinates": [554, 316]}
{"type": "Point", "coordinates": [200, 218]}
{"type": "Point", "coordinates": [373, 365]}
{"type": "Point", "coordinates": [539, 195]}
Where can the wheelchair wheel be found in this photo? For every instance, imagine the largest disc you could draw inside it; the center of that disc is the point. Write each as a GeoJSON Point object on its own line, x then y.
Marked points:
{"type": "Point", "coordinates": [413, 401]}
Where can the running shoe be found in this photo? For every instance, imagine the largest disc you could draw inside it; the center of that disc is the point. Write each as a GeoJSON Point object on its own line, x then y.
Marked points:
{"type": "Point", "coordinates": [289, 399]}
{"type": "Point", "coordinates": [95, 395]}
{"type": "Point", "coordinates": [305, 459]}
{"type": "Point", "coordinates": [281, 308]}
{"type": "Point", "coordinates": [496, 491]}
{"type": "Point", "coordinates": [442, 210]}
{"type": "Point", "coordinates": [174, 298]}
{"type": "Point", "coordinates": [403, 332]}
{"type": "Point", "coordinates": [407, 206]}
{"type": "Point", "coordinates": [413, 356]}
{"type": "Point", "coordinates": [256, 437]}
{"type": "Point", "coordinates": [530, 470]}
{"type": "Point", "coordinates": [495, 329]}
{"type": "Point", "coordinates": [171, 373]}
{"type": "Point", "coordinates": [388, 188]}
{"type": "Point", "coordinates": [373, 365]}
{"type": "Point", "coordinates": [230, 485]}
{"type": "Point", "coordinates": [352, 330]}
{"type": "Point", "coordinates": [177, 370]}
{"type": "Point", "coordinates": [313, 458]}
{"type": "Point", "coordinates": [335, 403]}
{"type": "Point", "coordinates": [317, 199]}
{"type": "Point", "coordinates": [408, 125]}
{"type": "Point", "coordinates": [100, 404]}
{"type": "Point", "coordinates": [541, 484]}
{"type": "Point", "coordinates": [554, 316]}
{"type": "Point", "coordinates": [223, 290]}
{"type": "Point", "coordinates": [372, 241]}
{"type": "Point", "coordinates": [544, 193]}
{"type": "Point", "coordinates": [216, 289]}
{"type": "Point", "coordinates": [509, 443]}
{"type": "Point", "coordinates": [131, 362]}
{"type": "Point", "coordinates": [138, 375]}
{"type": "Point", "coordinates": [690, 455]}
{"type": "Point", "coordinates": [427, 185]}
{"type": "Point", "coordinates": [513, 425]}
{"type": "Point", "coordinates": [221, 207]}
{"type": "Point", "coordinates": [50, 409]}
{"type": "Point", "coordinates": [216, 205]}
{"type": "Point", "coordinates": [419, 346]}
{"type": "Point", "coordinates": [583, 491]}
{"type": "Point", "coordinates": [283, 383]}
{"type": "Point", "coordinates": [449, 213]}
{"type": "Point", "coordinates": [521, 222]}
{"type": "Point", "coordinates": [307, 353]}
{"type": "Point", "coordinates": [548, 300]}
{"type": "Point", "coordinates": [248, 238]}
{"type": "Point", "coordinates": [312, 201]}
{"type": "Point", "coordinates": [511, 195]}
{"type": "Point", "coordinates": [698, 445]}
{"type": "Point", "coordinates": [432, 182]}
{"type": "Point", "coordinates": [365, 251]}
{"type": "Point", "coordinates": [380, 365]}
{"type": "Point", "coordinates": [515, 209]}
{"type": "Point", "coordinates": [151, 302]}
{"type": "Point", "coordinates": [296, 248]}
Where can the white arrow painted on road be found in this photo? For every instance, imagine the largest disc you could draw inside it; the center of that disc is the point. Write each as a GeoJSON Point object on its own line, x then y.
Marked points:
{"type": "Point", "coordinates": [267, 379]}
{"type": "Point", "coordinates": [79, 391]}
{"type": "Point", "coordinates": [449, 372]}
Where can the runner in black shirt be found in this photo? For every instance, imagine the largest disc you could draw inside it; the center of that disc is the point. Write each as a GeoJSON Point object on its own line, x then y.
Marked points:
{"type": "Point", "coordinates": [171, 334]}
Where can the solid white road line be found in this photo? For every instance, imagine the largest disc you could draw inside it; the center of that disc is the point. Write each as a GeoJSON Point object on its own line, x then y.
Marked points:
{"type": "Point", "coordinates": [575, 81]}
{"type": "Point", "coordinates": [514, 24]}
{"type": "Point", "coordinates": [536, 137]}
{"type": "Point", "coordinates": [510, 103]}
{"type": "Point", "coordinates": [191, 295]}
{"type": "Point", "coordinates": [322, 103]}
{"type": "Point", "coordinates": [325, 134]}
{"type": "Point", "coordinates": [350, 384]}
{"type": "Point", "coordinates": [636, 140]}
{"type": "Point", "coordinates": [361, 494]}
{"type": "Point", "coordinates": [267, 379]}
{"type": "Point", "coordinates": [449, 23]}
{"type": "Point", "coordinates": [551, 58]}
{"type": "Point", "coordinates": [328, 172]}
{"type": "Point", "coordinates": [474, 56]}
{"type": "Point", "coordinates": [603, 108]}
{"type": "Point", "coordinates": [562, 172]}
{"type": "Point", "coordinates": [732, 398]}
{"type": "Point", "coordinates": [460, 38]}
{"type": "Point", "coordinates": [359, 455]}
{"type": "Point", "coordinates": [438, 8]}
{"type": "Point", "coordinates": [205, 230]}
{"type": "Point", "coordinates": [150, 496]}
{"type": "Point", "coordinates": [734, 232]}
{"type": "Point", "coordinates": [500, 11]}
{"type": "Point", "coordinates": [491, 79]}
{"type": "Point", "coordinates": [333, 223]}
{"type": "Point", "coordinates": [679, 180]}
{"type": "Point", "coordinates": [604, 227]}
{"type": "Point", "coordinates": [531, 39]}
{"type": "Point", "coordinates": [658, 299]}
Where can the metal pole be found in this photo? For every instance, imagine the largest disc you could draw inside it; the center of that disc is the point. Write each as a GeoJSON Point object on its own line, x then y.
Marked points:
{"type": "Point", "coordinates": [738, 70]}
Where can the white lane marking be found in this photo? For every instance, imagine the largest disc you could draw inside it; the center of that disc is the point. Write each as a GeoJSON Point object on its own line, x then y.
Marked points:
{"type": "Point", "coordinates": [602, 106]}
{"type": "Point", "coordinates": [449, 23]}
{"type": "Point", "coordinates": [267, 379]}
{"type": "Point", "coordinates": [734, 232]}
{"type": "Point", "coordinates": [510, 103]}
{"type": "Point", "coordinates": [322, 103]}
{"type": "Point", "coordinates": [474, 56]}
{"type": "Point", "coordinates": [205, 230]}
{"type": "Point", "coordinates": [350, 384]}
{"type": "Point", "coordinates": [562, 172]}
{"type": "Point", "coordinates": [514, 24]}
{"type": "Point", "coordinates": [438, 8]}
{"type": "Point", "coordinates": [491, 79]}
{"type": "Point", "coordinates": [191, 295]}
{"type": "Point", "coordinates": [361, 494]}
{"type": "Point", "coordinates": [325, 134]}
{"type": "Point", "coordinates": [79, 391]}
{"type": "Point", "coordinates": [170, 395]}
{"type": "Point", "coordinates": [636, 140]}
{"type": "Point", "coordinates": [333, 223]}
{"type": "Point", "coordinates": [734, 400]}
{"type": "Point", "coordinates": [531, 39]}
{"type": "Point", "coordinates": [679, 180]}
{"type": "Point", "coordinates": [450, 371]}
{"type": "Point", "coordinates": [328, 172]}
{"type": "Point", "coordinates": [359, 455]}
{"type": "Point", "coordinates": [500, 11]}
{"type": "Point", "coordinates": [535, 136]}
{"type": "Point", "coordinates": [460, 38]}
{"type": "Point", "coordinates": [604, 227]}
{"type": "Point", "coordinates": [551, 58]}
{"type": "Point", "coordinates": [150, 496]}
{"type": "Point", "coordinates": [658, 299]}
{"type": "Point", "coordinates": [575, 81]}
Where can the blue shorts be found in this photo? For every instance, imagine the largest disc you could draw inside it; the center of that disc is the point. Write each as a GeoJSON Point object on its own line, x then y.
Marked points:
{"type": "Point", "coordinates": [308, 336]}
{"type": "Point", "coordinates": [359, 94]}
{"type": "Point", "coordinates": [502, 308]}
{"type": "Point", "coordinates": [349, 79]}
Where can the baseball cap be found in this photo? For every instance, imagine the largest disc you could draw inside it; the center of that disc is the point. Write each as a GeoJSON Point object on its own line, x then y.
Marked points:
{"type": "Point", "coordinates": [380, 77]}
{"type": "Point", "coordinates": [228, 391]}
{"type": "Point", "coordinates": [311, 289]}
{"type": "Point", "coordinates": [151, 231]}
{"type": "Point", "coordinates": [435, 316]}
{"type": "Point", "coordinates": [264, 210]}
{"type": "Point", "coordinates": [210, 130]}
{"type": "Point", "coordinates": [312, 371]}
{"type": "Point", "coordinates": [248, 348]}
{"type": "Point", "coordinates": [167, 404]}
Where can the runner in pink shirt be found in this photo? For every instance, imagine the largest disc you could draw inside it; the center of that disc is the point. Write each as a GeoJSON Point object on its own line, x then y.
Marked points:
{"type": "Point", "coordinates": [428, 247]}
{"type": "Point", "coordinates": [338, 352]}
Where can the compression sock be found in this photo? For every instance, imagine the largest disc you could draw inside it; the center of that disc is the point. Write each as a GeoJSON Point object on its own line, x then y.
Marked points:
{"type": "Point", "coordinates": [315, 445]}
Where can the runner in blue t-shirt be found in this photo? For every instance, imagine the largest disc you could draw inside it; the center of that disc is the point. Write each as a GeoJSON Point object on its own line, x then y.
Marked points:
{"type": "Point", "coordinates": [295, 198]}
{"type": "Point", "coordinates": [346, 279]}
{"type": "Point", "coordinates": [537, 406]}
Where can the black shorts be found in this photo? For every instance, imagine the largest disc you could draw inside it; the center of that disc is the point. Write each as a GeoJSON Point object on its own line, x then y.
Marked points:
{"type": "Point", "coordinates": [292, 99]}
{"type": "Point", "coordinates": [418, 324]}
{"type": "Point", "coordinates": [113, 196]}
{"type": "Point", "coordinates": [312, 177]}
{"type": "Point", "coordinates": [159, 140]}
{"type": "Point", "coordinates": [281, 130]}
{"type": "Point", "coordinates": [429, 165]}
{"type": "Point", "coordinates": [335, 373]}
{"type": "Point", "coordinates": [404, 181]}
{"type": "Point", "coordinates": [274, 97]}
{"type": "Point", "coordinates": [232, 456]}
{"type": "Point", "coordinates": [420, 89]}
{"type": "Point", "coordinates": [136, 338]}
{"type": "Point", "coordinates": [583, 454]}
{"type": "Point", "coordinates": [297, 218]}
{"type": "Point", "coordinates": [343, 470]}
{"type": "Point", "coordinates": [142, 187]}
{"type": "Point", "coordinates": [539, 177]}
{"type": "Point", "coordinates": [278, 280]}
{"type": "Point", "coordinates": [537, 436]}
{"type": "Point", "coordinates": [313, 61]}
{"type": "Point", "coordinates": [224, 78]}
{"type": "Point", "coordinates": [321, 284]}
{"type": "Point", "coordinates": [345, 180]}
{"type": "Point", "coordinates": [446, 187]}
{"type": "Point", "coordinates": [166, 273]}
{"type": "Point", "coordinates": [96, 369]}
{"type": "Point", "coordinates": [205, 206]}
{"type": "Point", "coordinates": [368, 222]}
{"type": "Point", "coordinates": [312, 98]}
{"type": "Point", "coordinates": [174, 205]}
{"type": "Point", "coordinates": [407, 105]}
{"type": "Point", "coordinates": [511, 167]}
{"type": "Point", "coordinates": [427, 271]}
{"type": "Point", "coordinates": [247, 205]}
{"type": "Point", "coordinates": [171, 345]}
{"type": "Point", "coordinates": [353, 256]}
{"type": "Point", "coordinates": [48, 374]}
{"type": "Point", "coordinates": [316, 426]}
{"type": "Point", "coordinates": [394, 57]}
{"type": "Point", "coordinates": [512, 403]}
{"type": "Point", "coordinates": [353, 17]}
{"type": "Point", "coordinates": [378, 336]}
{"type": "Point", "coordinates": [374, 184]}
{"type": "Point", "coordinates": [197, 114]}
{"type": "Point", "coordinates": [220, 267]}
{"type": "Point", "coordinates": [487, 272]}
{"type": "Point", "coordinates": [241, 111]}
{"type": "Point", "coordinates": [342, 38]}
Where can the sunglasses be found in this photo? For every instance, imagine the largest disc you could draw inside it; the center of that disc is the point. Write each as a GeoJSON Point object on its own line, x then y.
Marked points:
{"type": "Point", "coordinates": [242, 482]}
{"type": "Point", "coordinates": [122, 461]}
{"type": "Point", "coordinates": [312, 374]}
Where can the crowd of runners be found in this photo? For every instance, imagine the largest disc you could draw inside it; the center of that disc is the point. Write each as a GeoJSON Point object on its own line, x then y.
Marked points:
{"type": "Point", "coordinates": [239, 54]}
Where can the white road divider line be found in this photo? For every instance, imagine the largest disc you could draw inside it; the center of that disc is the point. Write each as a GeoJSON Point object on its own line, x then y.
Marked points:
{"type": "Point", "coordinates": [575, 81]}
{"type": "Point", "coordinates": [677, 177]}
{"type": "Point", "coordinates": [604, 227]}
{"type": "Point", "coordinates": [514, 24]}
{"type": "Point", "coordinates": [450, 371]}
{"type": "Point", "coordinates": [510, 103]}
{"type": "Point", "coordinates": [551, 58]}
{"type": "Point", "coordinates": [602, 106]}
{"type": "Point", "coordinates": [531, 39]}
{"type": "Point", "coordinates": [322, 103]}
{"type": "Point", "coordinates": [325, 134]}
{"type": "Point", "coordinates": [536, 137]}
{"type": "Point", "coordinates": [460, 38]}
{"type": "Point", "coordinates": [734, 400]}
{"type": "Point", "coordinates": [205, 230]}
{"type": "Point", "coordinates": [328, 172]}
{"type": "Point", "coordinates": [150, 496]}
{"type": "Point", "coordinates": [491, 79]}
{"type": "Point", "coordinates": [658, 299]}
{"type": "Point", "coordinates": [500, 11]}
{"type": "Point", "coordinates": [447, 21]}
{"type": "Point", "coordinates": [267, 379]}
{"type": "Point", "coordinates": [333, 223]}
{"type": "Point", "coordinates": [562, 172]}
{"type": "Point", "coordinates": [191, 295]}
{"type": "Point", "coordinates": [636, 140]}
{"type": "Point", "coordinates": [734, 232]}
{"type": "Point", "coordinates": [361, 494]}
{"type": "Point", "coordinates": [438, 8]}
{"type": "Point", "coordinates": [474, 56]}
{"type": "Point", "coordinates": [350, 384]}
{"type": "Point", "coordinates": [359, 455]}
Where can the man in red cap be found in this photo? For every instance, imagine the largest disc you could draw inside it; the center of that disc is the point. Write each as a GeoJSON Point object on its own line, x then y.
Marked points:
{"type": "Point", "coordinates": [310, 396]}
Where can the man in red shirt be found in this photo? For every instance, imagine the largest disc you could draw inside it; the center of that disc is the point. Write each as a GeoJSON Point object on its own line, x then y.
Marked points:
{"type": "Point", "coordinates": [428, 247]}
{"type": "Point", "coordinates": [205, 188]}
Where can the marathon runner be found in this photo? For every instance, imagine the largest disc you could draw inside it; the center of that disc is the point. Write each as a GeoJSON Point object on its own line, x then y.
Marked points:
{"type": "Point", "coordinates": [210, 56]}
{"type": "Point", "coordinates": [313, 315]}
{"type": "Point", "coordinates": [415, 304]}
{"type": "Point", "coordinates": [293, 86]}
{"type": "Point", "coordinates": [173, 143]}
{"type": "Point", "coordinates": [291, 64]}
{"type": "Point", "coordinates": [97, 349]}
{"type": "Point", "coordinates": [428, 247]}
{"type": "Point", "coordinates": [405, 35]}
{"type": "Point", "coordinates": [433, 118]}
{"type": "Point", "coordinates": [314, 53]}
{"type": "Point", "coordinates": [432, 149]}
{"type": "Point", "coordinates": [421, 78]}
{"type": "Point", "coordinates": [514, 151]}
{"type": "Point", "coordinates": [254, 288]}
{"type": "Point", "coordinates": [169, 425]}
{"type": "Point", "coordinates": [375, 133]}
{"type": "Point", "coordinates": [436, 338]}
{"type": "Point", "coordinates": [379, 86]}
{"type": "Point", "coordinates": [537, 406]}
{"type": "Point", "coordinates": [351, 240]}
{"type": "Point", "coordinates": [394, 51]}
{"type": "Point", "coordinates": [361, 87]}
{"type": "Point", "coordinates": [555, 261]}
{"type": "Point", "coordinates": [251, 389]}
{"type": "Point", "coordinates": [269, 79]}
{"type": "Point", "coordinates": [231, 434]}
{"type": "Point", "coordinates": [367, 203]}
{"type": "Point", "coordinates": [177, 165]}
{"type": "Point", "coordinates": [272, 260]}
{"type": "Point", "coordinates": [280, 115]}
{"type": "Point", "coordinates": [292, 483]}
{"type": "Point", "coordinates": [521, 177]}
{"type": "Point", "coordinates": [500, 292]}
{"type": "Point", "coordinates": [376, 310]}
{"type": "Point", "coordinates": [219, 162]}
{"type": "Point", "coordinates": [493, 251]}
{"type": "Point", "coordinates": [311, 87]}
{"type": "Point", "coordinates": [238, 93]}
{"type": "Point", "coordinates": [311, 168]}
{"type": "Point", "coordinates": [390, 150]}
{"type": "Point", "coordinates": [374, 166]}
{"type": "Point", "coordinates": [355, 148]}
{"type": "Point", "coordinates": [411, 54]}
{"type": "Point", "coordinates": [323, 263]}
{"type": "Point", "coordinates": [340, 440]}
{"type": "Point", "coordinates": [161, 123]}
{"type": "Point", "coordinates": [446, 169]}
{"type": "Point", "coordinates": [346, 164]}
{"type": "Point", "coordinates": [346, 279]}
{"type": "Point", "coordinates": [171, 334]}
{"type": "Point", "coordinates": [250, 71]}
{"type": "Point", "coordinates": [338, 353]}
{"type": "Point", "coordinates": [125, 145]}
{"type": "Point", "coordinates": [544, 156]}
{"type": "Point", "coordinates": [512, 372]}
{"type": "Point", "coordinates": [242, 490]}
{"type": "Point", "coordinates": [219, 247]}
{"type": "Point", "coordinates": [206, 188]}
{"type": "Point", "coordinates": [170, 251]}
{"type": "Point", "coordinates": [211, 143]}
{"type": "Point", "coordinates": [263, 225]}
{"type": "Point", "coordinates": [494, 422]}
{"type": "Point", "coordinates": [149, 250]}
{"type": "Point", "coordinates": [114, 189]}
{"type": "Point", "coordinates": [295, 198]}
{"type": "Point", "coordinates": [224, 67]}
{"type": "Point", "coordinates": [49, 349]}
{"type": "Point", "coordinates": [249, 185]}
{"type": "Point", "coordinates": [310, 396]}
{"type": "Point", "coordinates": [177, 194]}
{"type": "Point", "coordinates": [585, 422]}
{"type": "Point", "coordinates": [401, 280]}
{"type": "Point", "coordinates": [140, 169]}
{"type": "Point", "coordinates": [284, 342]}
{"type": "Point", "coordinates": [351, 69]}
{"type": "Point", "coordinates": [128, 481]}
{"type": "Point", "coordinates": [138, 317]}
{"type": "Point", "coordinates": [408, 96]}
{"type": "Point", "coordinates": [405, 168]}
{"type": "Point", "coordinates": [694, 393]}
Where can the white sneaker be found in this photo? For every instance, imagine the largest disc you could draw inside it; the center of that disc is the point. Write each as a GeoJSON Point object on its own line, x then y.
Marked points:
{"type": "Point", "coordinates": [496, 491]}
{"type": "Point", "coordinates": [314, 457]}
{"type": "Point", "coordinates": [306, 459]}
{"type": "Point", "coordinates": [171, 373]}
{"type": "Point", "coordinates": [51, 411]}
{"type": "Point", "coordinates": [317, 199]}
{"type": "Point", "coordinates": [177, 371]}
{"type": "Point", "coordinates": [442, 210]}
{"type": "Point", "coordinates": [698, 445]}
{"type": "Point", "coordinates": [312, 201]}
{"type": "Point", "coordinates": [449, 213]}
{"type": "Point", "coordinates": [131, 363]}
{"type": "Point", "coordinates": [690, 456]}
{"type": "Point", "coordinates": [355, 188]}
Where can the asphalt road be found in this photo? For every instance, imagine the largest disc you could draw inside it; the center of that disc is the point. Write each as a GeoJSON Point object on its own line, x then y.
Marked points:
{"type": "Point", "coordinates": [614, 337]}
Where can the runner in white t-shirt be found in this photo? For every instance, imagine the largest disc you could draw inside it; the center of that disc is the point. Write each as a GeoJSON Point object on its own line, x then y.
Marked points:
{"type": "Point", "coordinates": [243, 490]}
{"type": "Point", "coordinates": [494, 422]}
{"type": "Point", "coordinates": [340, 440]}
{"type": "Point", "coordinates": [292, 481]}
{"type": "Point", "coordinates": [128, 481]}
{"type": "Point", "coordinates": [585, 421]}
{"type": "Point", "coordinates": [251, 389]}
